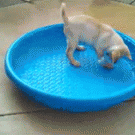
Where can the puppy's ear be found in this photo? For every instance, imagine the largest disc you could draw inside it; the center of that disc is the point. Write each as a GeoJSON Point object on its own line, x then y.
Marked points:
{"type": "Point", "coordinates": [129, 56]}
{"type": "Point", "coordinates": [115, 56]}
{"type": "Point", "coordinates": [127, 53]}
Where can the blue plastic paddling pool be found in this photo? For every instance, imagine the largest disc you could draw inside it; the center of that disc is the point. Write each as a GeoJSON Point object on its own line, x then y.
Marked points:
{"type": "Point", "coordinates": [37, 64]}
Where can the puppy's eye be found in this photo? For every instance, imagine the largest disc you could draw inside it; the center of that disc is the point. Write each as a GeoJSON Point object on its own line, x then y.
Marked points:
{"type": "Point", "coordinates": [107, 53]}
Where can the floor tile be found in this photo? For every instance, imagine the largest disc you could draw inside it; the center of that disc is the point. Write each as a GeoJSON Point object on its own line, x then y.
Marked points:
{"type": "Point", "coordinates": [19, 19]}
{"type": "Point", "coordinates": [116, 121]}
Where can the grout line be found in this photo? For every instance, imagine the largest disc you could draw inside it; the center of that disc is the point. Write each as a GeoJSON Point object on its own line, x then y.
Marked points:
{"type": "Point", "coordinates": [132, 2]}
{"type": "Point", "coordinates": [19, 113]}
{"type": "Point", "coordinates": [124, 2]}
{"type": "Point", "coordinates": [129, 100]}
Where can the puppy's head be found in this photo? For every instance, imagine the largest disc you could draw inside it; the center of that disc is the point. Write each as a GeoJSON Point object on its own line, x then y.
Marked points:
{"type": "Point", "coordinates": [116, 52]}
{"type": "Point", "coordinates": [113, 54]}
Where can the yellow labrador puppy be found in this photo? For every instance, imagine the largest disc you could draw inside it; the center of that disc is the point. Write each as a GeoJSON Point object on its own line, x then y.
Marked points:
{"type": "Point", "coordinates": [108, 45]}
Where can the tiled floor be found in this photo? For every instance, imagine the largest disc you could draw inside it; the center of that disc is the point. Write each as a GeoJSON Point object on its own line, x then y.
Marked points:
{"type": "Point", "coordinates": [4, 3]}
{"type": "Point", "coordinates": [19, 115]}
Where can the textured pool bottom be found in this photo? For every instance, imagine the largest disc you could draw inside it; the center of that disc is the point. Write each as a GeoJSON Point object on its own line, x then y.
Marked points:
{"type": "Point", "coordinates": [53, 74]}
{"type": "Point", "coordinates": [42, 71]}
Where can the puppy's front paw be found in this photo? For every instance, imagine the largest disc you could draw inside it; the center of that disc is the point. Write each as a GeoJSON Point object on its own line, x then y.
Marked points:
{"type": "Point", "coordinates": [80, 48]}
{"type": "Point", "coordinates": [108, 65]}
{"type": "Point", "coordinates": [105, 63]}
{"type": "Point", "coordinates": [76, 63]}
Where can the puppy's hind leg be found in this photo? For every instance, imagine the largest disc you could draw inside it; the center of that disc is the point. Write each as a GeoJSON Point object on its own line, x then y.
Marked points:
{"type": "Point", "coordinates": [72, 45]}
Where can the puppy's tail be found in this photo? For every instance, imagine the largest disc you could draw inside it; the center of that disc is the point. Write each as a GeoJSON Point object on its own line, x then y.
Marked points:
{"type": "Point", "coordinates": [64, 17]}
